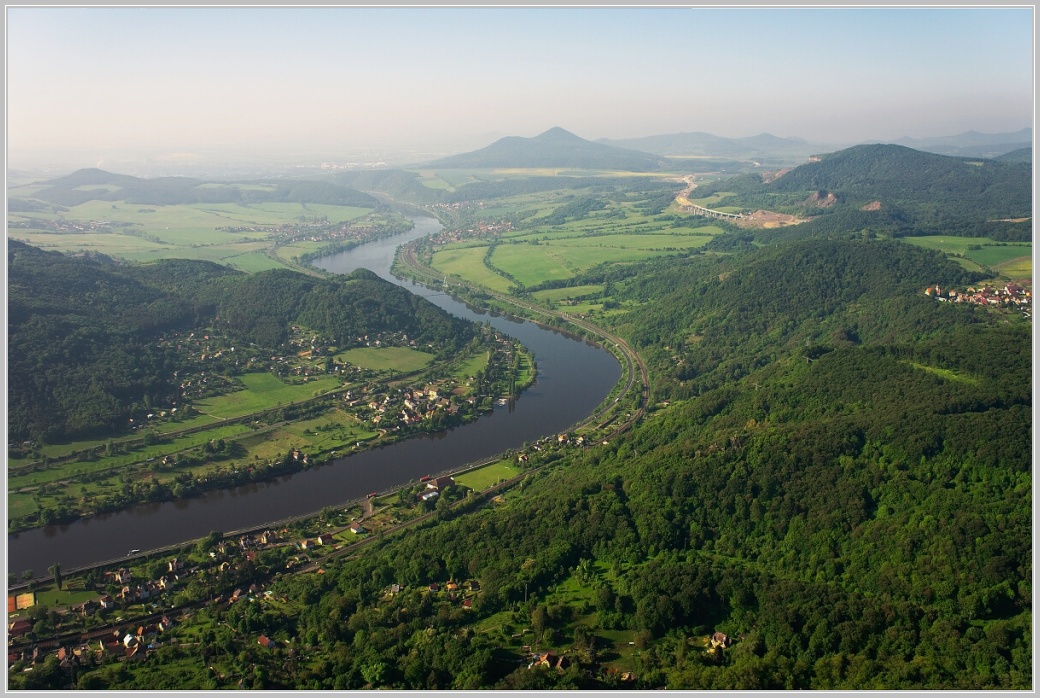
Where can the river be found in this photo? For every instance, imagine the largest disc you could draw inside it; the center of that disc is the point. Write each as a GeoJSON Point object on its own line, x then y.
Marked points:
{"type": "Point", "coordinates": [573, 379]}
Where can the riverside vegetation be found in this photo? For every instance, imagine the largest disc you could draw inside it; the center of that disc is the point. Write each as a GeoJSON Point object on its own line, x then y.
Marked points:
{"type": "Point", "coordinates": [830, 488]}
{"type": "Point", "coordinates": [189, 376]}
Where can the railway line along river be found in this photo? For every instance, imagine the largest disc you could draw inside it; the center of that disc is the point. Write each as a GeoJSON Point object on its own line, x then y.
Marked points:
{"type": "Point", "coordinates": [573, 379]}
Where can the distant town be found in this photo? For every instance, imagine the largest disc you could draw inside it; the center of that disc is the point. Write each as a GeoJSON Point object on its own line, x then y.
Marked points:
{"type": "Point", "coordinates": [1009, 296]}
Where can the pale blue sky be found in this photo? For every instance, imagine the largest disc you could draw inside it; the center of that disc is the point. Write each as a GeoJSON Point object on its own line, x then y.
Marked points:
{"type": "Point", "coordinates": [265, 79]}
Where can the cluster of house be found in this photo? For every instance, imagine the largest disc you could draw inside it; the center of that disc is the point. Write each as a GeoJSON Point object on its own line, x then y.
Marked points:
{"type": "Point", "coordinates": [550, 660]}
{"type": "Point", "coordinates": [319, 540]}
{"type": "Point", "coordinates": [124, 645]}
{"type": "Point", "coordinates": [66, 226]}
{"type": "Point", "coordinates": [481, 229]}
{"type": "Point", "coordinates": [409, 407]}
{"type": "Point", "coordinates": [434, 487]}
{"type": "Point", "coordinates": [317, 230]}
{"type": "Point", "coordinates": [133, 592]}
{"type": "Point", "coordinates": [1012, 294]}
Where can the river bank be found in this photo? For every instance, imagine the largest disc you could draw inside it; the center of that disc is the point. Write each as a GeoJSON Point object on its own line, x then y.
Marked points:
{"type": "Point", "coordinates": [574, 377]}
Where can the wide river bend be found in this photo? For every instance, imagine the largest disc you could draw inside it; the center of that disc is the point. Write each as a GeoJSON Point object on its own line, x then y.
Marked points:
{"type": "Point", "coordinates": [573, 379]}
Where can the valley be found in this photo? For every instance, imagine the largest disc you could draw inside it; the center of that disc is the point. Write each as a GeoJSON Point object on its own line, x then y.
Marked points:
{"type": "Point", "coordinates": [807, 473]}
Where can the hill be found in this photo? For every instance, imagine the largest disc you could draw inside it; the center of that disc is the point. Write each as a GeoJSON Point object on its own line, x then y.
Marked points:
{"type": "Point", "coordinates": [848, 505]}
{"type": "Point", "coordinates": [94, 184]}
{"type": "Point", "coordinates": [930, 187]}
{"type": "Point", "coordinates": [972, 143]}
{"type": "Point", "coordinates": [84, 331]}
{"type": "Point", "coordinates": [1019, 155]}
{"type": "Point", "coordinates": [766, 147]}
{"type": "Point", "coordinates": [890, 188]}
{"type": "Point", "coordinates": [554, 148]}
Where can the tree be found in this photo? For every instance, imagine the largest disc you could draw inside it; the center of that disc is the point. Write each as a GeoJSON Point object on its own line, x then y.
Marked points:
{"type": "Point", "coordinates": [55, 571]}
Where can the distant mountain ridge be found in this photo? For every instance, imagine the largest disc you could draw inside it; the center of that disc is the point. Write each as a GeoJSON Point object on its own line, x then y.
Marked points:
{"type": "Point", "coordinates": [972, 143]}
{"type": "Point", "coordinates": [766, 146]}
{"type": "Point", "coordinates": [554, 148]}
{"type": "Point", "coordinates": [699, 144]}
{"type": "Point", "coordinates": [92, 184]}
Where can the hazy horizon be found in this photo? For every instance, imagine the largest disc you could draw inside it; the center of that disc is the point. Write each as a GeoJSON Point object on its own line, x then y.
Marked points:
{"type": "Point", "coordinates": [177, 85]}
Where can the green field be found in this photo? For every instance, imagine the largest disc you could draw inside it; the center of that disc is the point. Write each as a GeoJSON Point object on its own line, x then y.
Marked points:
{"type": "Point", "coordinates": [533, 265]}
{"type": "Point", "coordinates": [996, 256]}
{"type": "Point", "coordinates": [468, 263]}
{"type": "Point", "coordinates": [618, 232]}
{"type": "Point", "coordinates": [555, 295]}
{"type": "Point", "coordinates": [334, 430]}
{"type": "Point", "coordinates": [251, 262]}
{"type": "Point", "coordinates": [146, 233]}
{"type": "Point", "coordinates": [468, 369]}
{"type": "Point", "coordinates": [262, 392]}
{"type": "Point", "coordinates": [399, 359]}
{"type": "Point", "coordinates": [1018, 268]}
{"type": "Point", "coordinates": [1011, 259]}
{"type": "Point", "coordinates": [121, 460]}
{"type": "Point", "coordinates": [482, 478]}
{"type": "Point", "coordinates": [949, 244]}
{"type": "Point", "coordinates": [557, 260]}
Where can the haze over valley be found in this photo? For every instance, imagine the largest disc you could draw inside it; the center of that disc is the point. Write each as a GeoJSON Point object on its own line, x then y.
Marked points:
{"type": "Point", "coordinates": [460, 349]}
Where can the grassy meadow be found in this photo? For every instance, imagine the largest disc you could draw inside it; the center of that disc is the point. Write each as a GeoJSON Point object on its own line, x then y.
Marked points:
{"type": "Point", "coordinates": [488, 475]}
{"type": "Point", "coordinates": [262, 392]}
{"type": "Point", "coordinates": [397, 359]}
{"type": "Point", "coordinates": [145, 233]}
{"type": "Point", "coordinates": [1013, 260]}
{"type": "Point", "coordinates": [617, 232]}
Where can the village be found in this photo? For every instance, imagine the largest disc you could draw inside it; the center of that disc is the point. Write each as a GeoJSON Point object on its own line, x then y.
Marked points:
{"type": "Point", "coordinates": [159, 591]}
{"type": "Point", "coordinates": [1011, 295]}
{"type": "Point", "coordinates": [127, 611]}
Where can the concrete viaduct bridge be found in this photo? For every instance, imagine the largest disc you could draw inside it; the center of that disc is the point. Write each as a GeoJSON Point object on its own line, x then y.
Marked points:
{"type": "Point", "coordinates": [694, 208]}
{"type": "Point", "coordinates": [688, 206]}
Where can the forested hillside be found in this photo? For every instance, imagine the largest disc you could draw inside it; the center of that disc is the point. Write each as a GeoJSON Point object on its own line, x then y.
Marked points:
{"type": "Point", "coordinates": [716, 321]}
{"type": "Point", "coordinates": [890, 189]}
{"type": "Point", "coordinates": [83, 331]}
{"type": "Point", "coordinates": [839, 482]}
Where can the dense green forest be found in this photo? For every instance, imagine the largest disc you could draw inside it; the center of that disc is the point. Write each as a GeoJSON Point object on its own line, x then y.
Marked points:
{"type": "Point", "coordinates": [83, 332]}
{"type": "Point", "coordinates": [837, 477]}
